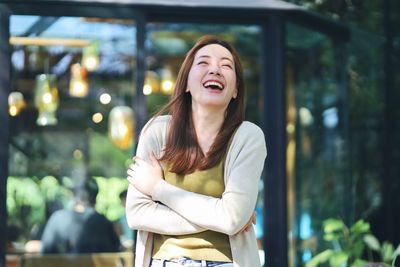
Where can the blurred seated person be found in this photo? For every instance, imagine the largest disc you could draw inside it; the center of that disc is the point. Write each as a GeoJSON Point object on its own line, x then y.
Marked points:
{"type": "Point", "coordinates": [12, 235]}
{"type": "Point", "coordinates": [126, 234]}
{"type": "Point", "coordinates": [80, 229]}
{"type": "Point", "coordinates": [34, 244]}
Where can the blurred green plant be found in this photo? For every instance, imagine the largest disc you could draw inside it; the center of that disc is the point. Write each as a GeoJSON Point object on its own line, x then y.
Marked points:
{"type": "Point", "coordinates": [386, 251]}
{"type": "Point", "coordinates": [29, 200]}
{"type": "Point", "coordinates": [350, 244]}
{"type": "Point", "coordinates": [108, 202]}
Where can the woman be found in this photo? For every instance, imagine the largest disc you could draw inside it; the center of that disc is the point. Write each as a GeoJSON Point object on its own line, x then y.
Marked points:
{"type": "Point", "coordinates": [194, 181]}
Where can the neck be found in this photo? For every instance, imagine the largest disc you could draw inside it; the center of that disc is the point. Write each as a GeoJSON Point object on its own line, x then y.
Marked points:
{"type": "Point", "coordinates": [207, 124]}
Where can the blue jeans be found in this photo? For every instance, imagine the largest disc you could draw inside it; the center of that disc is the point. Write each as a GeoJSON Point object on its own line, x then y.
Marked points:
{"type": "Point", "coordinates": [185, 262]}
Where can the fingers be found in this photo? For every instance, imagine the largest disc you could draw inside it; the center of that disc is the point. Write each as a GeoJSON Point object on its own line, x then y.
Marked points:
{"type": "Point", "coordinates": [246, 228]}
{"type": "Point", "coordinates": [131, 180]}
{"type": "Point", "coordinates": [138, 160]}
{"type": "Point", "coordinates": [253, 218]}
{"type": "Point", "coordinates": [249, 224]}
{"type": "Point", "coordinates": [133, 167]}
{"type": "Point", "coordinates": [130, 172]}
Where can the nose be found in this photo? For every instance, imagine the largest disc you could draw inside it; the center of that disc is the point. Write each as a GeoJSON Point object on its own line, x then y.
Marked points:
{"type": "Point", "coordinates": [214, 69]}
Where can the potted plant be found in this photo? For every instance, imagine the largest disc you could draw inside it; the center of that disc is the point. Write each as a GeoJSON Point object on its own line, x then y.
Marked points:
{"type": "Point", "coordinates": [350, 244]}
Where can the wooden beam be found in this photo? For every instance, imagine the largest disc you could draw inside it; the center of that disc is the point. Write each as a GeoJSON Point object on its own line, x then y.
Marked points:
{"type": "Point", "coordinates": [48, 41]}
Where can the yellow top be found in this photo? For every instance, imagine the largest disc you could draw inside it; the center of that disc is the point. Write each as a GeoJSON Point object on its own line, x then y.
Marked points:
{"type": "Point", "coordinates": [207, 245]}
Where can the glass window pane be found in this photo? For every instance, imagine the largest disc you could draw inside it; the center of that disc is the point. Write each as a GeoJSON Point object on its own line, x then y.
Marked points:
{"type": "Point", "coordinates": [72, 119]}
{"type": "Point", "coordinates": [317, 171]}
{"type": "Point", "coordinates": [168, 43]}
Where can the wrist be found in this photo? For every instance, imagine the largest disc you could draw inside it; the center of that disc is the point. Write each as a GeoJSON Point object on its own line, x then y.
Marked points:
{"type": "Point", "coordinates": [157, 188]}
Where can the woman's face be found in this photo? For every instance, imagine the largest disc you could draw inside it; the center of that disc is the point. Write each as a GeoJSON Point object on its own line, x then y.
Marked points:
{"type": "Point", "coordinates": [212, 77]}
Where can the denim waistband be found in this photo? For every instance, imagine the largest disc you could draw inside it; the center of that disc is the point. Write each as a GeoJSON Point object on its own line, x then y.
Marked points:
{"type": "Point", "coordinates": [185, 262]}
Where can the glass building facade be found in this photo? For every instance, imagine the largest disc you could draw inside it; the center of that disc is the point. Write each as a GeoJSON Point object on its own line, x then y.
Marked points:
{"type": "Point", "coordinates": [83, 80]}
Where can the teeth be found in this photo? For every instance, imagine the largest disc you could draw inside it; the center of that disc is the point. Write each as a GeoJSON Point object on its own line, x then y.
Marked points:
{"type": "Point", "coordinates": [212, 83]}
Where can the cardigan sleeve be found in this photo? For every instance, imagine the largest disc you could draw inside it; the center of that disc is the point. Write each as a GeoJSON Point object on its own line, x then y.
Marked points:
{"type": "Point", "coordinates": [142, 212]}
{"type": "Point", "coordinates": [243, 168]}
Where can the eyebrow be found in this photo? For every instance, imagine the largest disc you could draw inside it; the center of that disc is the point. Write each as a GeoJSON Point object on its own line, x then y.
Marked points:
{"type": "Point", "coordinates": [205, 56]}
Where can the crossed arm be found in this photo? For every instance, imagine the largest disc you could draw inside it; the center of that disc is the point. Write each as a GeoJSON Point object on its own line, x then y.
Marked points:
{"type": "Point", "coordinates": [183, 212]}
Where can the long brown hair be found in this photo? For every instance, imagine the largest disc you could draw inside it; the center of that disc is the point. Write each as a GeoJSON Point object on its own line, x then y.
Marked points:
{"type": "Point", "coordinates": [182, 150]}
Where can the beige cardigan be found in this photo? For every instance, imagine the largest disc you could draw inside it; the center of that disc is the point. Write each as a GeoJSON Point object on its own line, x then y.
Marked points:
{"type": "Point", "coordinates": [183, 212]}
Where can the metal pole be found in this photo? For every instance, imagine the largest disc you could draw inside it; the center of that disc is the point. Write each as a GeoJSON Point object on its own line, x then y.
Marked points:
{"type": "Point", "coordinates": [139, 103]}
{"type": "Point", "coordinates": [140, 100]}
{"type": "Point", "coordinates": [389, 127]}
{"type": "Point", "coordinates": [4, 131]}
{"type": "Point", "coordinates": [275, 240]}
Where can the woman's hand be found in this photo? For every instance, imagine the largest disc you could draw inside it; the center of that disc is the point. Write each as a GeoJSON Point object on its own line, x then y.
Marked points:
{"type": "Point", "coordinates": [145, 176]}
{"type": "Point", "coordinates": [249, 224]}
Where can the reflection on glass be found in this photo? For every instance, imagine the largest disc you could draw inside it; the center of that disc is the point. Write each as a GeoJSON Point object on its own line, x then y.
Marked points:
{"type": "Point", "coordinates": [46, 99]}
{"type": "Point", "coordinates": [168, 42]}
{"type": "Point", "coordinates": [315, 170]}
{"type": "Point", "coordinates": [79, 145]}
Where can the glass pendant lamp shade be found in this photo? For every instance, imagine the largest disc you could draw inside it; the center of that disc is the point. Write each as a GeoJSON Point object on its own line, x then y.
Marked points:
{"type": "Point", "coordinates": [78, 85]}
{"type": "Point", "coordinates": [16, 103]}
{"type": "Point", "coordinates": [121, 126]}
{"type": "Point", "coordinates": [167, 81]}
{"type": "Point", "coordinates": [46, 99]}
{"type": "Point", "coordinates": [91, 57]}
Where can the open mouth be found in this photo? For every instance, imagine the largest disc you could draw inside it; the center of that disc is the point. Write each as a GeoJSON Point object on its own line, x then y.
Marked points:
{"type": "Point", "coordinates": [214, 85]}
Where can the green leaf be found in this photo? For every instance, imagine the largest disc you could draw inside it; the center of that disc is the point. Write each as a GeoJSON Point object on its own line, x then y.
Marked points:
{"type": "Point", "coordinates": [331, 225]}
{"type": "Point", "coordinates": [396, 253]}
{"type": "Point", "coordinates": [320, 258]}
{"type": "Point", "coordinates": [387, 252]}
{"type": "Point", "coordinates": [359, 263]}
{"type": "Point", "coordinates": [331, 237]}
{"type": "Point", "coordinates": [360, 227]}
{"type": "Point", "coordinates": [372, 242]}
{"type": "Point", "coordinates": [338, 259]}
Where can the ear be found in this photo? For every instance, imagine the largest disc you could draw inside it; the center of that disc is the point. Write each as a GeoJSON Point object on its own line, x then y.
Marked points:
{"type": "Point", "coordinates": [235, 94]}
{"type": "Point", "coordinates": [187, 90]}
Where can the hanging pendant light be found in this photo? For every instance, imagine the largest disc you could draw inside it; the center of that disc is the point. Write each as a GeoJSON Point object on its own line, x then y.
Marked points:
{"type": "Point", "coordinates": [46, 99]}
{"type": "Point", "coordinates": [151, 83]}
{"type": "Point", "coordinates": [167, 81]}
{"type": "Point", "coordinates": [16, 103]}
{"type": "Point", "coordinates": [91, 57]}
{"type": "Point", "coordinates": [121, 126]}
{"type": "Point", "coordinates": [78, 85]}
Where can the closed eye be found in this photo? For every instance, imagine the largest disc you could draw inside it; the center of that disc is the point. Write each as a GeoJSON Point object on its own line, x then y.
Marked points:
{"type": "Point", "coordinates": [201, 63]}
